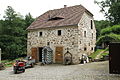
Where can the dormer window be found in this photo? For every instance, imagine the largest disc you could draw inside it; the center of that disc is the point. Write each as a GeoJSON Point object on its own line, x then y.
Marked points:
{"type": "Point", "coordinates": [55, 18]}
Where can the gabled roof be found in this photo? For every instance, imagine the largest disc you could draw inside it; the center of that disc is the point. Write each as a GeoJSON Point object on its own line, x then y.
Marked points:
{"type": "Point", "coordinates": [59, 17]}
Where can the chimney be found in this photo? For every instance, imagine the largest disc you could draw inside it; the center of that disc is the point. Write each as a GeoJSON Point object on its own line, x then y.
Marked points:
{"type": "Point", "coordinates": [65, 6]}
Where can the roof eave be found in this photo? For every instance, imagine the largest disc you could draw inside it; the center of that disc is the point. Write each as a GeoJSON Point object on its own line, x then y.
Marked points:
{"type": "Point", "coordinates": [52, 27]}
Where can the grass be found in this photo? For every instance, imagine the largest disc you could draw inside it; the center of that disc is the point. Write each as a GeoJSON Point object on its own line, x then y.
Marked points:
{"type": "Point", "coordinates": [103, 54]}
{"type": "Point", "coordinates": [9, 63]}
{"type": "Point", "coordinates": [93, 55]}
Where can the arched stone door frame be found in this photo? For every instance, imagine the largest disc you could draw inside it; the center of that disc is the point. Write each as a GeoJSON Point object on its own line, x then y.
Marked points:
{"type": "Point", "coordinates": [47, 55]}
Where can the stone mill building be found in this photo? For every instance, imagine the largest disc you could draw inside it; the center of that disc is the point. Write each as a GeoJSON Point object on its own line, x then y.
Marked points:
{"type": "Point", "coordinates": [58, 31]}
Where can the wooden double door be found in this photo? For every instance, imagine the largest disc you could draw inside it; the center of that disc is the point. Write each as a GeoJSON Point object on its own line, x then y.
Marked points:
{"type": "Point", "coordinates": [38, 51]}
{"type": "Point", "coordinates": [34, 54]}
{"type": "Point", "coordinates": [37, 54]}
{"type": "Point", "coordinates": [59, 55]}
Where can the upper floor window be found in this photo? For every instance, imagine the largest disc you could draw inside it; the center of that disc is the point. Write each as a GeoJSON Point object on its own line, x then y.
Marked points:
{"type": "Point", "coordinates": [91, 24]}
{"type": "Point", "coordinates": [59, 32]}
{"type": "Point", "coordinates": [92, 35]}
{"type": "Point", "coordinates": [48, 43]}
{"type": "Point", "coordinates": [84, 33]}
{"type": "Point", "coordinates": [40, 34]}
{"type": "Point", "coordinates": [91, 48]}
{"type": "Point", "coordinates": [85, 48]}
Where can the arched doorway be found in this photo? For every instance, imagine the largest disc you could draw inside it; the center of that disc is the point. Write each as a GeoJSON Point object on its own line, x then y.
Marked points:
{"type": "Point", "coordinates": [67, 58]}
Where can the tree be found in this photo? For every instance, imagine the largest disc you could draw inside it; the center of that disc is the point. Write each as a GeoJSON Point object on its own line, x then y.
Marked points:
{"type": "Point", "coordinates": [10, 14]}
{"type": "Point", "coordinates": [0, 27]}
{"type": "Point", "coordinates": [101, 25]}
{"type": "Point", "coordinates": [28, 19]}
{"type": "Point", "coordinates": [109, 34]}
{"type": "Point", "coordinates": [13, 37]}
{"type": "Point", "coordinates": [114, 29]}
{"type": "Point", "coordinates": [13, 34]}
{"type": "Point", "coordinates": [110, 8]}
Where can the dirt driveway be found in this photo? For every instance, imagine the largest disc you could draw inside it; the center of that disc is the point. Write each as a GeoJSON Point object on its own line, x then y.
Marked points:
{"type": "Point", "coordinates": [90, 71]}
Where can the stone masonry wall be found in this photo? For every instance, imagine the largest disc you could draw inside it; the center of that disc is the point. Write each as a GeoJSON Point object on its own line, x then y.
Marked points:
{"type": "Point", "coordinates": [68, 39]}
{"type": "Point", "coordinates": [72, 37]}
{"type": "Point", "coordinates": [89, 41]}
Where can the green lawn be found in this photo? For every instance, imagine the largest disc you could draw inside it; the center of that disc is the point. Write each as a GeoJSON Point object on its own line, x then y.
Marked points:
{"type": "Point", "coordinates": [93, 55]}
{"type": "Point", "coordinates": [9, 63]}
{"type": "Point", "coordinates": [105, 52]}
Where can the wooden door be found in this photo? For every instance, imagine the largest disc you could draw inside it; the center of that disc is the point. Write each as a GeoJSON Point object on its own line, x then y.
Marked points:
{"type": "Point", "coordinates": [59, 55]}
{"type": "Point", "coordinates": [34, 54]}
{"type": "Point", "coordinates": [114, 58]}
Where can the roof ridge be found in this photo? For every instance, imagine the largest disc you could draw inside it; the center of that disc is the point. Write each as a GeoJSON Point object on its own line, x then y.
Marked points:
{"type": "Point", "coordinates": [67, 7]}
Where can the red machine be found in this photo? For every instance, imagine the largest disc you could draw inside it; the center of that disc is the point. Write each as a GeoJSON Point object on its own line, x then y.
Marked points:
{"type": "Point", "coordinates": [19, 66]}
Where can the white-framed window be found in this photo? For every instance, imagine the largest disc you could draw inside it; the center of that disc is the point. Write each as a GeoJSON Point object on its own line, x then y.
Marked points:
{"type": "Point", "coordinates": [40, 34]}
{"type": "Point", "coordinates": [59, 32]}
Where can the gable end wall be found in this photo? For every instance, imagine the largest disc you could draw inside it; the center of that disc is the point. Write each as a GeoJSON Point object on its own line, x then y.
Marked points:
{"type": "Point", "coordinates": [88, 41]}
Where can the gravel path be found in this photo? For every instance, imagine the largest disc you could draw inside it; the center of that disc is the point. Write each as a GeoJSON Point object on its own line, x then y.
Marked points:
{"type": "Point", "coordinates": [90, 71]}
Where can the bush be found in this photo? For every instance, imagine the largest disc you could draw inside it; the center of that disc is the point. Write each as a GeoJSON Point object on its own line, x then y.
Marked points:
{"type": "Point", "coordinates": [114, 29]}
{"type": "Point", "coordinates": [108, 38]}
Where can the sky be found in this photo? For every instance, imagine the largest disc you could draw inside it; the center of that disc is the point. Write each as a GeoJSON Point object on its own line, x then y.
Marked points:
{"type": "Point", "coordinates": [38, 7]}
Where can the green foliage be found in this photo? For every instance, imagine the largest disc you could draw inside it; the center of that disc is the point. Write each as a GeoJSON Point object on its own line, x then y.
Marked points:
{"type": "Point", "coordinates": [28, 19]}
{"type": "Point", "coordinates": [101, 25]}
{"type": "Point", "coordinates": [114, 29]}
{"type": "Point", "coordinates": [108, 38]}
{"type": "Point", "coordinates": [13, 34]}
{"type": "Point", "coordinates": [93, 55]}
{"type": "Point", "coordinates": [107, 34]}
{"type": "Point", "coordinates": [110, 8]}
{"type": "Point", "coordinates": [10, 14]}
{"type": "Point", "coordinates": [9, 63]}
{"type": "Point", "coordinates": [105, 54]}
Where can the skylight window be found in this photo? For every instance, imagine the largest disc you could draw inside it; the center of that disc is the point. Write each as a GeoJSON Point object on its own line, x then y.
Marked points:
{"type": "Point", "coordinates": [55, 18]}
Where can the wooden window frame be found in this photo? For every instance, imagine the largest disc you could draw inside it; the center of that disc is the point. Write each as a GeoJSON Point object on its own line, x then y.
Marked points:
{"type": "Point", "coordinates": [40, 34]}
